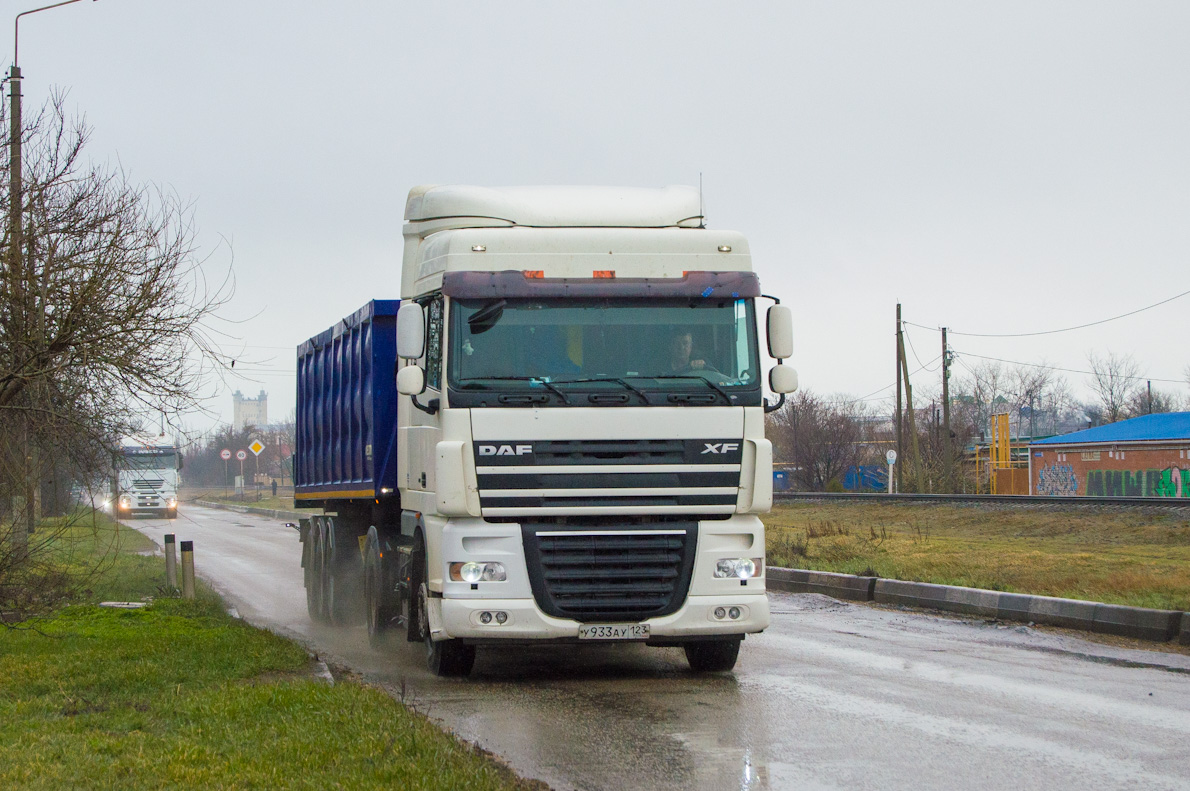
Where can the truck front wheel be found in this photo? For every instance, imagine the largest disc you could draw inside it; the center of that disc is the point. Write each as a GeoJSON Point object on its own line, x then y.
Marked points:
{"type": "Point", "coordinates": [443, 657]}
{"type": "Point", "coordinates": [379, 604]}
{"type": "Point", "coordinates": [713, 656]}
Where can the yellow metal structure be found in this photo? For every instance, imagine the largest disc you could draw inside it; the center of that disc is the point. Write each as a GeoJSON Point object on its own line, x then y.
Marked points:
{"type": "Point", "coordinates": [1001, 449]}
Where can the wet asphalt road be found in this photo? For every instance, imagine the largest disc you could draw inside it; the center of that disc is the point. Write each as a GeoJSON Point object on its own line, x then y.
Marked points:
{"type": "Point", "coordinates": [832, 696]}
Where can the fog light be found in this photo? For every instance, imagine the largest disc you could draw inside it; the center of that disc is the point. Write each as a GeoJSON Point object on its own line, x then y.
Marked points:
{"type": "Point", "coordinates": [734, 613]}
{"type": "Point", "coordinates": [501, 617]}
{"type": "Point", "coordinates": [485, 617]}
{"type": "Point", "coordinates": [720, 613]}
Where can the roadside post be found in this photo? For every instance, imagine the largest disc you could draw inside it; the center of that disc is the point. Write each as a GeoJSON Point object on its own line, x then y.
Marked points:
{"type": "Point", "coordinates": [225, 454]}
{"type": "Point", "coordinates": [891, 457]}
{"type": "Point", "coordinates": [171, 561]}
{"type": "Point", "coordinates": [187, 569]}
{"type": "Point", "coordinates": [241, 455]}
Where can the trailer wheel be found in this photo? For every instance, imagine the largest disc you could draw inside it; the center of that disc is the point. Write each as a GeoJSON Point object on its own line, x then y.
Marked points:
{"type": "Point", "coordinates": [341, 594]}
{"type": "Point", "coordinates": [309, 569]}
{"type": "Point", "coordinates": [318, 571]}
{"type": "Point", "coordinates": [713, 656]}
{"type": "Point", "coordinates": [443, 657]}
{"type": "Point", "coordinates": [378, 596]}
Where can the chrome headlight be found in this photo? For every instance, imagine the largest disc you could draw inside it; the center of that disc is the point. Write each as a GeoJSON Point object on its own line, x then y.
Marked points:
{"type": "Point", "coordinates": [473, 571]}
{"type": "Point", "coordinates": [743, 568]}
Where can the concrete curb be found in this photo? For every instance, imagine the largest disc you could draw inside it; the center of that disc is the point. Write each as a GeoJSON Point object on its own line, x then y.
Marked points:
{"type": "Point", "coordinates": [839, 586]}
{"type": "Point", "coordinates": [1140, 622]}
{"type": "Point", "coordinates": [275, 513]}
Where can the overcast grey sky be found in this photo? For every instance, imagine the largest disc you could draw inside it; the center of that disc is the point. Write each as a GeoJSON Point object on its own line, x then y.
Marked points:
{"type": "Point", "coordinates": [997, 167]}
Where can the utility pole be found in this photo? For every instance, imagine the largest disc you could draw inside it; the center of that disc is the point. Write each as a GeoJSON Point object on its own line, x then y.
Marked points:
{"type": "Point", "coordinates": [912, 419]}
{"type": "Point", "coordinates": [947, 459]}
{"type": "Point", "coordinates": [1150, 383]}
{"type": "Point", "coordinates": [900, 450]}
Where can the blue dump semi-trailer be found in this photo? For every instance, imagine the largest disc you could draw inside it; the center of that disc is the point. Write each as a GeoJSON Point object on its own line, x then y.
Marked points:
{"type": "Point", "coordinates": [345, 459]}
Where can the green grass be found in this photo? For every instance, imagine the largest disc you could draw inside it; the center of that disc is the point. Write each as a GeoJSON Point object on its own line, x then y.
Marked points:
{"type": "Point", "coordinates": [179, 694]}
{"type": "Point", "coordinates": [1122, 558]}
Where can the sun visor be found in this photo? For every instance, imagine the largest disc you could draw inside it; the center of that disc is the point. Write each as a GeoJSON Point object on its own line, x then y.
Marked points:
{"type": "Point", "coordinates": [514, 283]}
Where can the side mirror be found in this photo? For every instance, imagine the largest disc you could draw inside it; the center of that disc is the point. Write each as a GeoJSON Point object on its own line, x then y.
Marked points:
{"type": "Point", "coordinates": [411, 331]}
{"type": "Point", "coordinates": [181, 461]}
{"type": "Point", "coordinates": [783, 379]}
{"type": "Point", "coordinates": [411, 380]}
{"type": "Point", "coordinates": [780, 332]}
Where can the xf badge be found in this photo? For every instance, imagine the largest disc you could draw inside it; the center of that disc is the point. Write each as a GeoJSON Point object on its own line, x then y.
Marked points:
{"type": "Point", "coordinates": [720, 447]}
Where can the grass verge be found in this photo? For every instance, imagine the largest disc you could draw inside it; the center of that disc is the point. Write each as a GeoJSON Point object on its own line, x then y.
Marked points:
{"type": "Point", "coordinates": [1141, 560]}
{"type": "Point", "coordinates": [180, 694]}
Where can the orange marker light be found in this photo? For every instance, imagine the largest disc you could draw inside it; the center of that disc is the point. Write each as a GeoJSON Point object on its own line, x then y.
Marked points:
{"type": "Point", "coordinates": [534, 273]}
{"type": "Point", "coordinates": [604, 273]}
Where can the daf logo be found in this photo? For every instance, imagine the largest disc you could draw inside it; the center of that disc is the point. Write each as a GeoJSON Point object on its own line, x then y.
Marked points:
{"type": "Point", "coordinates": [505, 450]}
{"type": "Point", "coordinates": [720, 447]}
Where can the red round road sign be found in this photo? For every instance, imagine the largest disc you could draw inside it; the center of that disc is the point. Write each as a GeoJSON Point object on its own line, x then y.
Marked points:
{"type": "Point", "coordinates": [225, 454]}
{"type": "Point", "coordinates": [241, 455]}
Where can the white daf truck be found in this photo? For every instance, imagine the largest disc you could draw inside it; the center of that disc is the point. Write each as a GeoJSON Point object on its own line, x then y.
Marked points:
{"type": "Point", "coordinates": [577, 451]}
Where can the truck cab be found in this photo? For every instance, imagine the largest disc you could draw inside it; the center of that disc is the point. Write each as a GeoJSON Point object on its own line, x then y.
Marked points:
{"type": "Point", "coordinates": [147, 477]}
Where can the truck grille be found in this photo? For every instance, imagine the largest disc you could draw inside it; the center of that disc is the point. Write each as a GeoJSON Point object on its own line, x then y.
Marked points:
{"type": "Point", "coordinates": [613, 574]}
{"type": "Point", "coordinates": [624, 476]}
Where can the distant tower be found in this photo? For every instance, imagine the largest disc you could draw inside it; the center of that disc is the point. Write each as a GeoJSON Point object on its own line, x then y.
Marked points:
{"type": "Point", "coordinates": [250, 411]}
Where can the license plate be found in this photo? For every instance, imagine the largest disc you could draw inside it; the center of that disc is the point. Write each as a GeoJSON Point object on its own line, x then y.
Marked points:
{"type": "Point", "coordinates": [613, 631]}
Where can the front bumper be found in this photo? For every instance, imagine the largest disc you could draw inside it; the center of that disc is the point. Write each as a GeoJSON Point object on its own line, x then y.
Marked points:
{"type": "Point", "coordinates": [459, 618]}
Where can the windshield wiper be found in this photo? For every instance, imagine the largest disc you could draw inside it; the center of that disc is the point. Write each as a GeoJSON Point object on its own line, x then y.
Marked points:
{"type": "Point", "coordinates": [532, 379]}
{"type": "Point", "coordinates": [704, 380]}
{"type": "Point", "coordinates": [615, 379]}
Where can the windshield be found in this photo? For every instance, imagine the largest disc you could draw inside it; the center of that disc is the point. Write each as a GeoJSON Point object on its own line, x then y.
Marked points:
{"type": "Point", "coordinates": [630, 345]}
{"type": "Point", "coordinates": [148, 460]}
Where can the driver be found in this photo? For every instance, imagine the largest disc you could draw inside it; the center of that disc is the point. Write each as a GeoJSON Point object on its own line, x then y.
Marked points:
{"type": "Point", "coordinates": [681, 346]}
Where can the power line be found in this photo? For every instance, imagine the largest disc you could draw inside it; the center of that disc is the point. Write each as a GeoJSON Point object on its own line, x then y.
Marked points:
{"type": "Point", "coordinates": [915, 357]}
{"type": "Point", "coordinates": [1055, 332]}
{"type": "Point", "coordinates": [887, 386]}
{"type": "Point", "coordinates": [1057, 368]}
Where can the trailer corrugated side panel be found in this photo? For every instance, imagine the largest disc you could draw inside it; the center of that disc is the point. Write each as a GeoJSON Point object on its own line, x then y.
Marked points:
{"type": "Point", "coordinates": [346, 434]}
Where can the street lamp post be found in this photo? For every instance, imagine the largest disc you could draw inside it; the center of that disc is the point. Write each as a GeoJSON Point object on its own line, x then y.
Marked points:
{"type": "Point", "coordinates": [16, 273]}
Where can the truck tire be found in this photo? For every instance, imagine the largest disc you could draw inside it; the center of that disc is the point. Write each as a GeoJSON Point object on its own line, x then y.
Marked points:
{"type": "Point", "coordinates": [344, 569]}
{"type": "Point", "coordinates": [380, 606]}
{"type": "Point", "coordinates": [443, 657]}
{"type": "Point", "coordinates": [713, 656]}
{"type": "Point", "coordinates": [171, 513]}
{"type": "Point", "coordinates": [317, 571]}
{"type": "Point", "coordinates": [310, 571]}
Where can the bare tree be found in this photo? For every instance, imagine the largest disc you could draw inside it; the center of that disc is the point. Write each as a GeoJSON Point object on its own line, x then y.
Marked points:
{"type": "Point", "coordinates": [102, 310]}
{"type": "Point", "coordinates": [821, 436]}
{"type": "Point", "coordinates": [1149, 402]}
{"type": "Point", "coordinates": [1115, 379]}
{"type": "Point", "coordinates": [1032, 395]}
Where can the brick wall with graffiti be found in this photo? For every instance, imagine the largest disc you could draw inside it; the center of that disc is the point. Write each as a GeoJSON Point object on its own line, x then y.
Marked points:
{"type": "Point", "coordinates": [1112, 472]}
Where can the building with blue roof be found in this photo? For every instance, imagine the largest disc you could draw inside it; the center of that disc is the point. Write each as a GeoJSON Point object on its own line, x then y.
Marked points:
{"type": "Point", "coordinates": [1147, 456]}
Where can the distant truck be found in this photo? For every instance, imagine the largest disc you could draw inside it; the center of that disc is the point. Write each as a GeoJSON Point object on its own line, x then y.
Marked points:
{"type": "Point", "coordinates": [146, 480]}
{"type": "Point", "coordinates": [556, 434]}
